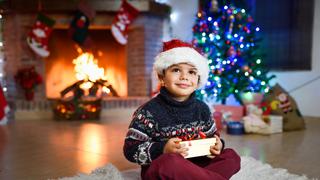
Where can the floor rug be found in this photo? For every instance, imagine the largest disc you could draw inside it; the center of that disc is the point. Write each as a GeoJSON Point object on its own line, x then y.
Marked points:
{"type": "Point", "coordinates": [251, 169]}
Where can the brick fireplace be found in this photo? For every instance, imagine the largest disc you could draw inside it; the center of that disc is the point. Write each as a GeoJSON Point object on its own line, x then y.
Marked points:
{"type": "Point", "coordinates": [134, 60]}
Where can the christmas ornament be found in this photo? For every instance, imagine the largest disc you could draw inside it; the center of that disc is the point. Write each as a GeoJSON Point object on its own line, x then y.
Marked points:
{"type": "Point", "coordinates": [38, 37]}
{"type": "Point", "coordinates": [214, 6]}
{"type": "Point", "coordinates": [119, 28]}
{"type": "Point", "coordinates": [80, 23]}
{"type": "Point", "coordinates": [231, 52]}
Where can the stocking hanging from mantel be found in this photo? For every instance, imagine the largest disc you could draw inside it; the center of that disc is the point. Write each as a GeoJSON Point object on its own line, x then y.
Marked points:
{"type": "Point", "coordinates": [119, 28]}
{"type": "Point", "coordinates": [38, 37]}
{"type": "Point", "coordinates": [79, 26]}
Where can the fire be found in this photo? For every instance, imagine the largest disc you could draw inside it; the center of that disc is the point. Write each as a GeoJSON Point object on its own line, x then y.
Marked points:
{"type": "Point", "coordinates": [87, 69]}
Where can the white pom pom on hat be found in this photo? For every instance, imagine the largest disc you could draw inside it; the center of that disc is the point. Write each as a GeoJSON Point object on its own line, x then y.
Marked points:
{"type": "Point", "coordinates": [176, 52]}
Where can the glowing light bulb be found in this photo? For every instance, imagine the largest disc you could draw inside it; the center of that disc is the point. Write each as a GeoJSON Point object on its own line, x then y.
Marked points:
{"type": "Point", "coordinates": [258, 73]}
{"type": "Point", "coordinates": [258, 61]}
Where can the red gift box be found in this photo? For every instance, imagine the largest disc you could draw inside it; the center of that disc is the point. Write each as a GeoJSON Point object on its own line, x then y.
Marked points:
{"type": "Point", "coordinates": [217, 117]}
{"type": "Point", "coordinates": [236, 112]}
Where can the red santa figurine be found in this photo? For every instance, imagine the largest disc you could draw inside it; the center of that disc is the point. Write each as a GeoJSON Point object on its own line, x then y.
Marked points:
{"type": "Point", "coordinates": [285, 104]}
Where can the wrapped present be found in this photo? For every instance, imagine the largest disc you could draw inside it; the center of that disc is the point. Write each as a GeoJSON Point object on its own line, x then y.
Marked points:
{"type": "Point", "coordinates": [217, 117]}
{"type": "Point", "coordinates": [275, 123]}
{"type": "Point", "coordinates": [263, 124]}
{"type": "Point", "coordinates": [235, 128]}
{"type": "Point", "coordinates": [199, 147]}
{"type": "Point", "coordinates": [234, 113]}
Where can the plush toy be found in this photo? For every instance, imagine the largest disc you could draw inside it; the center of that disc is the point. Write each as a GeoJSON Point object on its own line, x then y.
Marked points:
{"type": "Point", "coordinates": [253, 122]}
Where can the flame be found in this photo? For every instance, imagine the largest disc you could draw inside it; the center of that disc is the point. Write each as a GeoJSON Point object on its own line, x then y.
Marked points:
{"type": "Point", "coordinates": [87, 69]}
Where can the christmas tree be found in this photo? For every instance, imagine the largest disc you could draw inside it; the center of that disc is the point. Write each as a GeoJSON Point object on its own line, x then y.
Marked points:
{"type": "Point", "coordinates": [230, 39]}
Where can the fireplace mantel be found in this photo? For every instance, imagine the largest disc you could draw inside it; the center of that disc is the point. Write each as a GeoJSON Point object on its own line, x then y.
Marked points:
{"type": "Point", "coordinates": [58, 6]}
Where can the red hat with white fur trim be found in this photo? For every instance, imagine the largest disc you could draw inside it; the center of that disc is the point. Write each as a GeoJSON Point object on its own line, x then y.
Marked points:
{"type": "Point", "coordinates": [176, 52]}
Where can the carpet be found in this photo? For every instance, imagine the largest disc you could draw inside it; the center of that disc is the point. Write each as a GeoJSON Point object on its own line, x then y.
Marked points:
{"type": "Point", "coordinates": [251, 169]}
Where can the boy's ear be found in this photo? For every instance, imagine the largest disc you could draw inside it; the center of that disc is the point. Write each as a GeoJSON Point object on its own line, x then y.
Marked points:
{"type": "Point", "coordinates": [160, 77]}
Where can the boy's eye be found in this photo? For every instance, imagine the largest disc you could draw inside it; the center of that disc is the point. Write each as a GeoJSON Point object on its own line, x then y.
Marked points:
{"type": "Point", "coordinates": [193, 72]}
{"type": "Point", "coordinates": [175, 70]}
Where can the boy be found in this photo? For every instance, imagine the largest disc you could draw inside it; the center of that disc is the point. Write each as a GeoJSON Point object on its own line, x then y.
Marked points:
{"type": "Point", "coordinates": [175, 115]}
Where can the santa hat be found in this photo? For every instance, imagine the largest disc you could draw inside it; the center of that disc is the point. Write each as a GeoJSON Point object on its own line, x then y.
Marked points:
{"type": "Point", "coordinates": [176, 52]}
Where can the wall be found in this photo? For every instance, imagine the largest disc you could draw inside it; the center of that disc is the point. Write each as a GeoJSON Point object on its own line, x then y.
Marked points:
{"type": "Point", "coordinates": [183, 18]}
{"type": "Point", "coordinates": [307, 97]}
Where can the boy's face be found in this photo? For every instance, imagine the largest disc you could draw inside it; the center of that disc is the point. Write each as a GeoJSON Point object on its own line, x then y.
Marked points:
{"type": "Point", "coordinates": [181, 80]}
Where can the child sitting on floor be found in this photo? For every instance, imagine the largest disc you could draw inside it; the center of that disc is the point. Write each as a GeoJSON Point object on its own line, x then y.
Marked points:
{"type": "Point", "coordinates": [175, 115]}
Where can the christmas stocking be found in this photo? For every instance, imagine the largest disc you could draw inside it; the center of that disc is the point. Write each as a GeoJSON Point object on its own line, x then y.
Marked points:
{"type": "Point", "coordinates": [125, 16]}
{"type": "Point", "coordinates": [38, 37]}
{"type": "Point", "coordinates": [79, 25]}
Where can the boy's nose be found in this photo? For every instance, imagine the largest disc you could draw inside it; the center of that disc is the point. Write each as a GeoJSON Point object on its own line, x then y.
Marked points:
{"type": "Point", "coordinates": [183, 76]}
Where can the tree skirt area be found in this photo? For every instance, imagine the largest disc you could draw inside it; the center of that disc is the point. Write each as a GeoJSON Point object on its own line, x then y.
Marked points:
{"type": "Point", "coordinates": [251, 169]}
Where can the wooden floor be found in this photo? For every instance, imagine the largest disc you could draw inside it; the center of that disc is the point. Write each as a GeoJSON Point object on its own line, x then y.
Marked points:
{"type": "Point", "coordinates": [50, 149]}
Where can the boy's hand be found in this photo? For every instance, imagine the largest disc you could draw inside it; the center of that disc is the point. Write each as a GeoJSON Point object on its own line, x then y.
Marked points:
{"type": "Point", "coordinates": [216, 148]}
{"type": "Point", "coordinates": [173, 146]}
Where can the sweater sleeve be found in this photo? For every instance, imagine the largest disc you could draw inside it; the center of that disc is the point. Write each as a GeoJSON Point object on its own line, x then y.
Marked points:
{"type": "Point", "coordinates": [210, 128]}
{"type": "Point", "coordinates": [209, 125]}
{"type": "Point", "coordinates": [139, 146]}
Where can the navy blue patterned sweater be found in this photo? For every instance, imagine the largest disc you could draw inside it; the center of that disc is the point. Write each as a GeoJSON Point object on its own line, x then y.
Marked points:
{"type": "Point", "coordinates": [163, 118]}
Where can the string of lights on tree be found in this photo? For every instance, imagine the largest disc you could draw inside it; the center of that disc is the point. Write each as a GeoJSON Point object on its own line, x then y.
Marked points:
{"type": "Point", "coordinates": [230, 40]}
{"type": "Point", "coordinates": [2, 82]}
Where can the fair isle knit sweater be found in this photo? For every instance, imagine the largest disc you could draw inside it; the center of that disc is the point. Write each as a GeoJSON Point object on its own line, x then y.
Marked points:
{"type": "Point", "coordinates": [163, 118]}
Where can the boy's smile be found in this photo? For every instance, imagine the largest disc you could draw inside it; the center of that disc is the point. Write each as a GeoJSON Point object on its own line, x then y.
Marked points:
{"type": "Point", "coordinates": [181, 80]}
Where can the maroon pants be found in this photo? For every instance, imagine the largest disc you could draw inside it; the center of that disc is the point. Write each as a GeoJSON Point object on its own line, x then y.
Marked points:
{"type": "Point", "coordinates": [175, 166]}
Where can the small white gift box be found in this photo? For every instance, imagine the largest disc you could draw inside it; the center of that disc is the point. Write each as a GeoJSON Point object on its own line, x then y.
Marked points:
{"type": "Point", "coordinates": [199, 147]}
{"type": "Point", "coordinates": [275, 123]}
{"type": "Point", "coordinates": [263, 125]}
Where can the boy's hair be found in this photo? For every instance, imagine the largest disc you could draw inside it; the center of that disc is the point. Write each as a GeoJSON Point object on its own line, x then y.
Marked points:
{"type": "Point", "coordinates": [176, 52]}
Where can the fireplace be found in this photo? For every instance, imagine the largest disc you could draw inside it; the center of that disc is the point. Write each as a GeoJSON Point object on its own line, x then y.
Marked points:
{"type": "Point", "coordinates": [60, 70]}
{"type": "Point", "coordinates": [128, 68]}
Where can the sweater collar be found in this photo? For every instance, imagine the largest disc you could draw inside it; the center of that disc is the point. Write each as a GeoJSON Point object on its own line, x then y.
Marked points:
{"type": "Point", "coordinates": [167, 97]}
